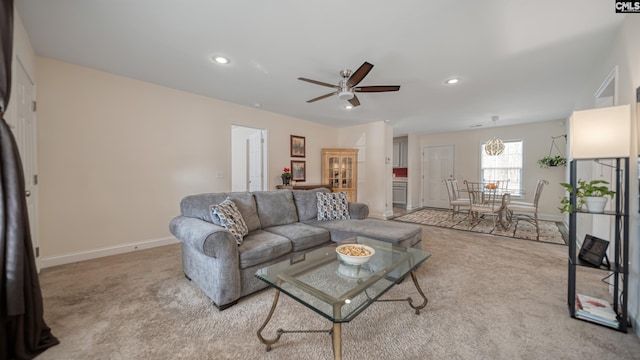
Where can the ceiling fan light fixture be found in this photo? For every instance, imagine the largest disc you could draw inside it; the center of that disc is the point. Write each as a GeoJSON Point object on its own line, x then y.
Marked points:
{"type": "Point", "coordinates": [345, 95]}
{"type": "Point", "coordinates": [221, 60]}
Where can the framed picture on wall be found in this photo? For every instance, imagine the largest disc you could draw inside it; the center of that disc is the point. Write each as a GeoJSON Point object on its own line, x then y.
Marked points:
{"type": "Point", "coordinates": [297, 146]}
{"type": "Point", "coordinates": [298, 170]}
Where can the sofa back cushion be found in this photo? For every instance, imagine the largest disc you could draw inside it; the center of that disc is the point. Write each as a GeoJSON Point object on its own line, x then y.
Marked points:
{"type": "Point", "coordinates": [275, 208]}
{"type": "Point", "coordinates": [198, 206]}
{"type": "Point", "coordinates": [227, 215]}
{"type": "Point", "coordinates": [307, 203]}
{"type": "Point", "coordinates": [246, 203]}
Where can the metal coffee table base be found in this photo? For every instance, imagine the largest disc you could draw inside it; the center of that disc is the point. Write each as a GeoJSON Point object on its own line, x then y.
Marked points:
{"type": "Point", "coordinates": [336, 331]}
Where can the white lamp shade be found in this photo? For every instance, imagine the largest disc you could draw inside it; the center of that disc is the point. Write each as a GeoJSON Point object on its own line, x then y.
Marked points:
{"type": "Point", "coordinates": [600, 133]}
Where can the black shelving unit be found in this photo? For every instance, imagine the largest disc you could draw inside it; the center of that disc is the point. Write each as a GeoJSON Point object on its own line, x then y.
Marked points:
{"type": "Point", "coordinates": [620, 259]}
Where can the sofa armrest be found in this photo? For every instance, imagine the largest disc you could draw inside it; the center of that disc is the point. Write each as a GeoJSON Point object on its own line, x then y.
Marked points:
{"type": "Point", "coordinates": [210, 239]}
{"type": "Point", "coordinates": [358, 211]}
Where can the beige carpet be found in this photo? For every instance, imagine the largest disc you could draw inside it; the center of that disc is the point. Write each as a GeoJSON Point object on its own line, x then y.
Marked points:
{"type": "Point", "coordinates": [490, 298]}
{"type": "Point", "coordinates": [549, 230]}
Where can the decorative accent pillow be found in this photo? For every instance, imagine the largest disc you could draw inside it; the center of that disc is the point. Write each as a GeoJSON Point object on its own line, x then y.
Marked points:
{"type": "Point", "coordinates": [227, 215]}
{"type": "Point", "coordinates": [332, 206]}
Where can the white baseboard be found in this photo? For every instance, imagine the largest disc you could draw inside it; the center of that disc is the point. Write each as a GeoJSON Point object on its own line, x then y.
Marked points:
{"type": "Point", "coordinates": [379, 216]}
{"type": "Point", "coordinates": [413, 207]}
{"type": "Point", "coordinates": [633, 323]}
{"type": "Point", "coordinates": [547, 217]}
{"type": "Point", "coordinates": [98, 253]}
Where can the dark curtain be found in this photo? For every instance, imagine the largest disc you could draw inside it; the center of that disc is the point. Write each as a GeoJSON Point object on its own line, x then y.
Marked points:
{"type": "Point", "coordinates": [23, 332]}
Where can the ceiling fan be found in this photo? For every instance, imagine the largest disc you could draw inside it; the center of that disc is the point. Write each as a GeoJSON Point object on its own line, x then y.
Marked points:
{"type": "Point", "coordinates": [347, 88]}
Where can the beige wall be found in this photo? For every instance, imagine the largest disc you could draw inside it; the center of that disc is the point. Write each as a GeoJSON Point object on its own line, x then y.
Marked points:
{"type": "Point", "coordinates": [537, 141]}
{"type": "Point", "coordinates": [116, 156]}
{"type": "Point", "coordinates": [374, 144]}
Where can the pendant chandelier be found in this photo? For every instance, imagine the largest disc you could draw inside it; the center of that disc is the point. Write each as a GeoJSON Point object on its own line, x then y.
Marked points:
{"type": "Point", "coordinates": [495, 146]}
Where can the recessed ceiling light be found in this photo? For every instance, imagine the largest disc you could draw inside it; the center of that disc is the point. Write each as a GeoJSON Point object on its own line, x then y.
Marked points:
{"type": "Point", "coordinates": [452, 81]}
{"type": "Point", "coordinates": [221, 60]}
{"type": "Point", "coordinates": [348, 107]}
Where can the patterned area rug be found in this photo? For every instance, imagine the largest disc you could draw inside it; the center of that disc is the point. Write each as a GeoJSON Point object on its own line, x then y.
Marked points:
{"type": "Point", "coordinates": [549, 230]}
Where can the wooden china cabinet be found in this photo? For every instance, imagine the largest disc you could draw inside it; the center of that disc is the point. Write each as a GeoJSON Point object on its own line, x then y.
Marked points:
{"type": "Point", "coordinates": [340, 171]}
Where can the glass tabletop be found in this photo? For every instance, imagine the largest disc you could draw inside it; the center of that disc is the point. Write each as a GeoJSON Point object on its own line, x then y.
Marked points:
{"type": "Point", "coordinates": [338, 291]}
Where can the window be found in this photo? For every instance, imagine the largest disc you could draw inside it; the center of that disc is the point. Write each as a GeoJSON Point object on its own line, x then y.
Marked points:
{"type": "Point", "coordinates": [507, 166]}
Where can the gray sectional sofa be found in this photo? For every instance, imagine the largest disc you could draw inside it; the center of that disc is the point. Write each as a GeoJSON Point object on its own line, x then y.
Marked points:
{"type": "Point", "coordinates": [281, 224]}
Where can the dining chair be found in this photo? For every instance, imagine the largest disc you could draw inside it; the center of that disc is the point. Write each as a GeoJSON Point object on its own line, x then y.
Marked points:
{"type": "Point", "coordinates": [519, 210]}
{"type": "Point", "coordinates": [455, 201]}
{"type": "Point", "coordinates": [487, 199]}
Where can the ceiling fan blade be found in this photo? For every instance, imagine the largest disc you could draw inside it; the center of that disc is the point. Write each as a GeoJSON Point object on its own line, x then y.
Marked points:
{"type": "Point", "coordinates": [359, 74]}
{"type": "Point", "coordinates": [381, 88]}
{"type": "Point", "coordinates": [319, 83]}
{"type": "Point", "coordinates": [322, 97]}
{"type": "Point", "coordinates": [354, 101]}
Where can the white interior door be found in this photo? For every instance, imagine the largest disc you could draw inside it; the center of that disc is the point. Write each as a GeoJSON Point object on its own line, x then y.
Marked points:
{"type": "Point", "coordinates": [249, 159]}
{"type": "Point", "coordinates": [437, 164]}
{"type": "Point", "coordinates": [254, 161]}
{"type": "Point", "coordinates": [25, 134]}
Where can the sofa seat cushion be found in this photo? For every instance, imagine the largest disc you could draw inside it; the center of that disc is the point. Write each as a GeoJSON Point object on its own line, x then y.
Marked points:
{"type": "Point", "coordinates": [302, 236]}
{"type": "Point", "coordinates": [400, 233]}
{"type": "Point", "coordinates": [261, 246]}
{"type": "Point", "coordinates": [275, 208]}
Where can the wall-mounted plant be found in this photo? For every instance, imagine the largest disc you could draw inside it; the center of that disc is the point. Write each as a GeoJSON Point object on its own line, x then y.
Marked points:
{"type": "Point", "coordinates": [591, 193]}
{"type": "Point", "coordinates": [552, 161]}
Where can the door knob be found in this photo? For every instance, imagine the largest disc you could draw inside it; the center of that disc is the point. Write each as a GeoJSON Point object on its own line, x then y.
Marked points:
{"type": "Point", "coordinates": [27, 193]}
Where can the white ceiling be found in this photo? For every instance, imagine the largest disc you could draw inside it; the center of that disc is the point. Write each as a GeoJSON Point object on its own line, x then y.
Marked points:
{"type": "Point", "coordinates": [524, 61]}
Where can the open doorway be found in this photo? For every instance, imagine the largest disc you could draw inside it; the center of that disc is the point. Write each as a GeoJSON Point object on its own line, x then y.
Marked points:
{"type": "Point", "coordinates": [248, 159]}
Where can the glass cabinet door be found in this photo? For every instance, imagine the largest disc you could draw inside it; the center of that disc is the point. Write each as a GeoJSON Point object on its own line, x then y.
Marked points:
{"type": "Point", "coordinates": [339, 170]}
{"type": "Point", "coordinates": [347, 172]}
{"type": "Point", "coordinates": [334, 171]}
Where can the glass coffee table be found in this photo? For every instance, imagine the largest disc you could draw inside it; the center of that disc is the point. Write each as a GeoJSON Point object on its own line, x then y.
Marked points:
{"type": "Point", "coordinates": [320, 281]}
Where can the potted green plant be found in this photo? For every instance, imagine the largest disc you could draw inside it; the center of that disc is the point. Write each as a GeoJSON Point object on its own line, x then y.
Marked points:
{"type": "Point", "coordinates": [592, 194]}
{"type": "Point", "coordinates": [552, 161]}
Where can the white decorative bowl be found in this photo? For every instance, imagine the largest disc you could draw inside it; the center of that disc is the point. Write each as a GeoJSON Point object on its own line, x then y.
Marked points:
{"type": "Point", "coordinates": [353, 272]}
{"type": "Point", "coordinates": [356, 248]}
